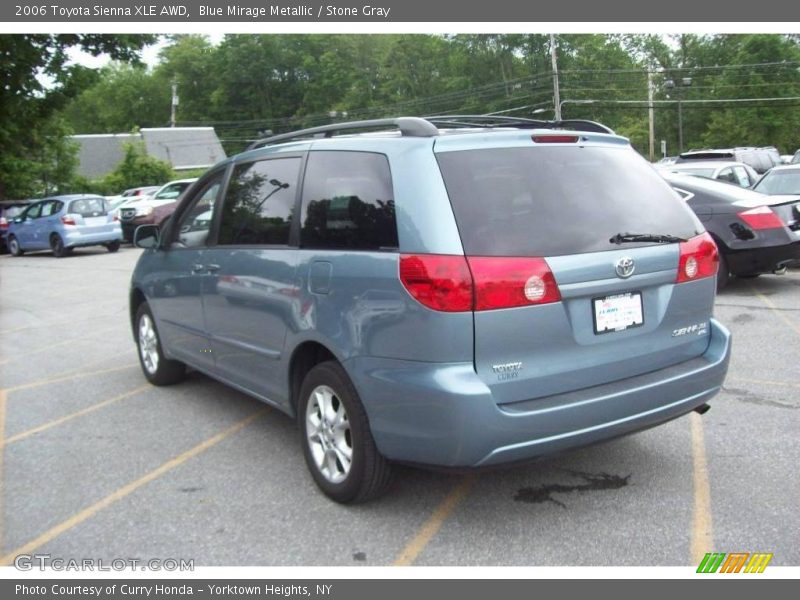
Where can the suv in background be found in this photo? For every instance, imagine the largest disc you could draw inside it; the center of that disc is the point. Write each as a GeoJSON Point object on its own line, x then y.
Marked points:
{"type": "Point", "coordinates": [142, 212]}
{"type": "Point", "coordinates": [761, 159]}
{"type": "Point", "coordinates": [468, 291]}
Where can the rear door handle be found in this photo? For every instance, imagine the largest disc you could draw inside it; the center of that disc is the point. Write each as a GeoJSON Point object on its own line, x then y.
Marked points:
{"type": "Point", "coordinates": [212, 268]}
{"type": "Point", "coordinates": [197, 268]}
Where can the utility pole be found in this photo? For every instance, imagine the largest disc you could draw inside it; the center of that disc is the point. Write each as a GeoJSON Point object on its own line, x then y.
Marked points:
{"type": "Point", "coordinates": [650, 115]}
{"type": "Point", "coordinates": [174, 103]}
{"type": "Point", "coordinates": [556, 95]}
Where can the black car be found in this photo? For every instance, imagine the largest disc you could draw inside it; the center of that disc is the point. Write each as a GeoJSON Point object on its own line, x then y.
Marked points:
{"type": "Point", "coordinates": [8, 210]}
{"type": "Point", "coordinates": [755, 233]}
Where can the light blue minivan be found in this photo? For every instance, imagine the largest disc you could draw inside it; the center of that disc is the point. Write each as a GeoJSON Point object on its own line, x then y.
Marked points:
{"type": "Point", "coordinates": [459, 291]}
{"type": "Point", "coordinates": [63, 223]}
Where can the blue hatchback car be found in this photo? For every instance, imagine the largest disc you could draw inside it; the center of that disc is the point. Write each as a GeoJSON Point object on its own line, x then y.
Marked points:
{"type": "Point", "coordinates": [452, 292]}
{"type": "Point", "coordinates": [62, 223]}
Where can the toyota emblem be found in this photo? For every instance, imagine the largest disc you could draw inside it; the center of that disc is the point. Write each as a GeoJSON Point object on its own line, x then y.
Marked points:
{"type": "Point", "coordinates": [625, 267]}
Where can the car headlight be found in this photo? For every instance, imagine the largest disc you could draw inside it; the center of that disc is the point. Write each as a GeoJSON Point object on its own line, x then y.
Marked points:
{"type": "Point", "coordinates": [143, 211]}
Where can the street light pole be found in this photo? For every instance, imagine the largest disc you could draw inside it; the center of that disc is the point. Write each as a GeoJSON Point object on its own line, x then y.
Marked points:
{"type": "Point", "coordinates": [554, 61]}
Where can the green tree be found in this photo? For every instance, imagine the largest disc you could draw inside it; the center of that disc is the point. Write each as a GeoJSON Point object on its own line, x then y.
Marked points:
{"type": "Point", "coordinates": [38, 81]}
{"type": "Point", "coordinates": [137, 169]}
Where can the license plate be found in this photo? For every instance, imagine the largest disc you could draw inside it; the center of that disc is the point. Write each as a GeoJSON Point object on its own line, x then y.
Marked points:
{"type": "Point", "coordinates": [95, 221]}
{"type": "Point", "coordinates": [618, 312]}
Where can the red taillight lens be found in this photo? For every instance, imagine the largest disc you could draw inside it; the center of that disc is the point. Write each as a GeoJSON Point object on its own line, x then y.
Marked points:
{"type": "Point", "coordinates": [67, 220]}
{"type": "Point", "coordinates": [116, 218]}
{"type": "Point", "coordinates": [555, 139]}
{"type": "Point", "coordinates": [699, 258]}
{"type": "Point", "coordinates": [440, 282]}
{"type": "Point", "coordinates": [761, 218]}
{"type": "Point", "coordinates": [506, 282]}
{"type": "Point", "coordinates": [3, 223]}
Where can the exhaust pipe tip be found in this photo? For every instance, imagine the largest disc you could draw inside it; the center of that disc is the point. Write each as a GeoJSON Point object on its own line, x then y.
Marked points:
{"type": "Point", "coordinates": [702, 409]}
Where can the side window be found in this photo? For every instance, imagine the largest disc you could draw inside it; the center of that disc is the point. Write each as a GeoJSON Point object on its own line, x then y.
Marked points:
{"type": "Point", "coordinates": [49, 208]}
{"type": "Point", "coordinates": [741, 176]}
{"type": "Point", "coordinates": [195, 223]}
{"type": "Point", "coordinates": [33, 212]}
{"type": "Point", "coordinates": [259, 203]}
{"type": "Point", "coordinates": [726, 175]}
{"type": "Point", "coordinates": [348, 202]}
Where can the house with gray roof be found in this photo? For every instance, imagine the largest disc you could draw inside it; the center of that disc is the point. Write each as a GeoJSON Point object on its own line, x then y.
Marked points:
{"type": "Point", "coordinates": [185, 148]}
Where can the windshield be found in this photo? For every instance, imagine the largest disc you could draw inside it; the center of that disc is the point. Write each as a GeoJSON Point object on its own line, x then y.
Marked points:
{"type": "Point", "coordinates": [172, 191]}
{"type": "Point", "coordinates": [552, 201]}
{"type": "Point", "coordinates": [780, 182]}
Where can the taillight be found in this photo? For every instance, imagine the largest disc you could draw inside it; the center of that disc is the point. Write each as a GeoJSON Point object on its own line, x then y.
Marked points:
{"type": "Point", "coordinates": [67, 220]}
{"type": "Point", "coordinates": [506, 282]}
{"type": "Point", "coordinates": [3, 223]}
{"type": "Point", "coordinates": [761, 218]}
{"type": "Point", "coordinates": [441, 282]}
{"type": "Point", "coordinates": [116, 218]}
{"type": "Point", "coordinates": [699, 258]}
{"type": "Point", "coordinates": [555, 139]}
{"type": "Point", "coordinates": [455, 283]}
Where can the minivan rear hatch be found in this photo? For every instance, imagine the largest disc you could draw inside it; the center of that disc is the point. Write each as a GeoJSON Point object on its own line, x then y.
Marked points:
{"type": "Point", "coordinates": [550, 211]}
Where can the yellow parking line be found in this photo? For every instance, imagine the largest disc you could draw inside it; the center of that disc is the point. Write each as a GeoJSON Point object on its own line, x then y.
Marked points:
{"type": "Point", "coordinates": [771, 305]}
{"type": "Point", "coordinates": [432, 526]}
{"type": "Point", "coordinates": [126, 490]}
{"type": "Point", "coordinates": [702, 533]}
{"type": "Point", "coordinates": [89, 409]}
{"type": "Point", "coordinates": [68, 376]}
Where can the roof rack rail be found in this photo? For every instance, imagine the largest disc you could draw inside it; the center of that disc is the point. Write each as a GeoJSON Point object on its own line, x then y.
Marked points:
{"type": "Point", "coordinates": [495, 120]}
{"type": "Point", "coordinates": [408, 126]}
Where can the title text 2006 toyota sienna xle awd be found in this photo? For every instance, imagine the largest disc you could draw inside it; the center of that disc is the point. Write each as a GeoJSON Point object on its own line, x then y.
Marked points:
{"type": "Point", "coordinates": [451, 291]}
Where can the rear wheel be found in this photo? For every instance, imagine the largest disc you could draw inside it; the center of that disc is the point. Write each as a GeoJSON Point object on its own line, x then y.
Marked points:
{"type": "Point", "coordinates": [723, 272]}
{"type": "Point", "coordinates": [13, 246]}
{"type": "Point", "coordinates": [337, 442]}
{"type": "Point", "coordinates": [157, 368]}
{"type": "Point", "coordinates": [57, 246]}
{"type": "Point", "coordinates": [113, 246]}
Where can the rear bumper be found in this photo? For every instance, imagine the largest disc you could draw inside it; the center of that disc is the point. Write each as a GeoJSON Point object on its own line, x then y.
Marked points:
{"type": "Point", "coordinates": [764, 260]}
{"type": "Point", "coordinates": [75, 238]}
{"type": "Point", "coordinates": [444, 415]}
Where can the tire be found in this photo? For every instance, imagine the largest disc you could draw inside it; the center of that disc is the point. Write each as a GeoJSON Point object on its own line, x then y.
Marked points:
{"type": "Point", "coordinates": [326, 442]}
{"type": "Point", "coordinates": [113, 246]}
{"type": "Point", "coordinates": [57, 246]}
{"type": "Point", "coordinates": [13, 246]}
{"type": "Point", "coordinates": [156, 367]}
{"type": "Point", "coordinates": [723, 272]}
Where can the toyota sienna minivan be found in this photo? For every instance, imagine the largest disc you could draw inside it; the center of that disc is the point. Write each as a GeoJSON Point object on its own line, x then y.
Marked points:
{"type": "Point", "coordinates": [457, 291]}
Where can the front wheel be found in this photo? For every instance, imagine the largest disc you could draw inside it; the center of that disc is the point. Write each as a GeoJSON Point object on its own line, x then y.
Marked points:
{"type": "Point", "coordinates": [157, 368]}
{"type": "Point", "coordinates": [113, 246]}
{"type": "Point", "coordinates": [13, 246]}
{"type": "Point", "coordinates": [336, 438]}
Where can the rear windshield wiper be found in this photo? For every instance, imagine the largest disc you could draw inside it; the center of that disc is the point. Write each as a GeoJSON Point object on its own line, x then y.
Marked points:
{"type": "Point", "coordinates": [625, 238]}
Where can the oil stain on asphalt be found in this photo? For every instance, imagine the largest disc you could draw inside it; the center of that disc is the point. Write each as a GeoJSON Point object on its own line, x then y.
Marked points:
{"type": "Point", "coordinates": [591, 482]}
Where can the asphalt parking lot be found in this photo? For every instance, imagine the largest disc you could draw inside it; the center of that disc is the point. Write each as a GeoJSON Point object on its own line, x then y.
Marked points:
{"type": "Point", "coordinates": [97, 463]}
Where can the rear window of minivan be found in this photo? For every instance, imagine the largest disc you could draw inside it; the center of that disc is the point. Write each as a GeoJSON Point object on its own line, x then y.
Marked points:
{"type": "Point", "coordinates": [558, 200]}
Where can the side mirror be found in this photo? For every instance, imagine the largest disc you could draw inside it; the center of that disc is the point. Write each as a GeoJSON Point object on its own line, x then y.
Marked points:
{"type": "Point", "coordinates": [146, 236]}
